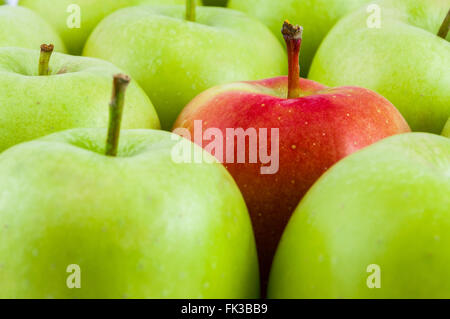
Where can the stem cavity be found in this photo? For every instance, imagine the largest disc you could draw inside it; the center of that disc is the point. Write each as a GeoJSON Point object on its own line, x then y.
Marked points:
{"type": "Point", "coordinates": [120, 85]}
{"type": "Point", "coordinates": [445, 27]}
{"type": "Point", "coordinates": [190, 10]}
{"type": "Point", "coordinates": [293, 37]}
{"type": "Point", "coordinates": [44, 58]}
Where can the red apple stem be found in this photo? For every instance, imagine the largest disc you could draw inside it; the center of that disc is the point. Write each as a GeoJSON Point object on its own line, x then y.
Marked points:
{"type": "Point", "coordinates": [120, 85]}
{"type": "Point", "coordinates": [445, 27]}
{"type": "Point", "coordinates": [190, 10]}
{"type": "Point", "coordinates": [293, 37]}
{"type": "Point", "coordinates": [44, 58]}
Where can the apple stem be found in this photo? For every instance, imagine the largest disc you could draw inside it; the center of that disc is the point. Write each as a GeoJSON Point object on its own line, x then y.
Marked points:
{"type": "Point", "coordinates": [120, 84]}
{"type": "Point", "coordinates": [445, 27]}
{"type": "Point", "coordinates": [190, 10]}
{"type": "Point", "coordinates": [44, 58]}
{"type": "Point", "coordinates": [293, 37]}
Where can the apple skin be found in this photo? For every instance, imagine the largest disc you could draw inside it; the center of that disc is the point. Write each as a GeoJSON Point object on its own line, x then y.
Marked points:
{"type": "Point", "coordinates": [315, 131]}
{"type": "Point", "coordinates": [316, 16]}
{"type": "Point", "coordinates": [174, 60]}
{"type": "Point", "coordinates": [403, 60]}
{"type": "Point", "coordinates": [20, 27]}
{"type": "Point", "coordinates": [138, 225]}
{"type": "Point", "coordinates": [76, 99]}
{"type": "Point", "coordinates": [92, 12]}
{"type": "Point", "coordinates": [386, 205]}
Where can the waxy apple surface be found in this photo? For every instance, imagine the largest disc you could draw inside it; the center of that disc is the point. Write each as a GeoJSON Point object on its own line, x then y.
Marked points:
{"type": "Point", "coordinates": [403, 59]}
{"type": "Point", "coordinates": [138, 225]}
{"type": "Point", "coordinates": [380, 216]}
{"type": "Point", "coordinates": [174, 59]}
{"type": "Point", "coordinates": [20, 27]}
{"type": "Point", "coordinates": [316, 16]}
{"type": "Point", "coordinates": [74, 95]}
{"type": "Point", "coordinates": [316, 130]}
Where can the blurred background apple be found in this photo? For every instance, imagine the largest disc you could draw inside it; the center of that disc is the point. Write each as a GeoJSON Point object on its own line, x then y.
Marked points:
{"type": "Point", "coordinates": [404, 59]}
{"type": "Point", "coordinates": [21, 27]}
{"type": "Point", "coordinates": [174, 59]}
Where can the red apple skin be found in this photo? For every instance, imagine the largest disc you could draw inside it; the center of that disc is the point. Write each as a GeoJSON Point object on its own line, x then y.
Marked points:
{"type": "Point", "coordinates": [315, 131]}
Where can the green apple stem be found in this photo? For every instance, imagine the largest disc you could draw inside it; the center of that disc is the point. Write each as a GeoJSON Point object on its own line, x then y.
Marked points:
{"type": "Point", "coordinates": [445, 27]}
{"type": "Point", "coordinates": [190, 10]}
{"type": "Point", "coordinates": [44, 58]}
{"type": "Point", "coordinates": [115, 113]}
{"type": "Point", "coordinates": [293, 37]}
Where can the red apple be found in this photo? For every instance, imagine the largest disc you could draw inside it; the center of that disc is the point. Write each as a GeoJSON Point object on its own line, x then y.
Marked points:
{"type": "Point", "coordinates": [317, 126]}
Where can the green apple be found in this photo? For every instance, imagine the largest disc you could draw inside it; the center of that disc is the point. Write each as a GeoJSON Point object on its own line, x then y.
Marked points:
{"type": "Point", "coordinates": [63, 15]}
{"type": "Point", "coordinates": [20, 27]}
{"type": "Point", "coordinates": [446, 130]}
{"type": "Point", "coordinates": [72, 95]}
{"type": "Point", "coordinates": [316, 16]}
{"type": "Point", "coordinates": [379, 218]}
{"type": "Point", "coordinates": [134, 225]}
{"type": "Point", "coordinates": [401, 57]}
{"type": "Point", "coordinates": [174, 59]}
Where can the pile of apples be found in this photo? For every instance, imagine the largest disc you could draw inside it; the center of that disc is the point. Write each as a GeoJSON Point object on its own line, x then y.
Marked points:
{"type": "Point", "coordinates": [322, 179]}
